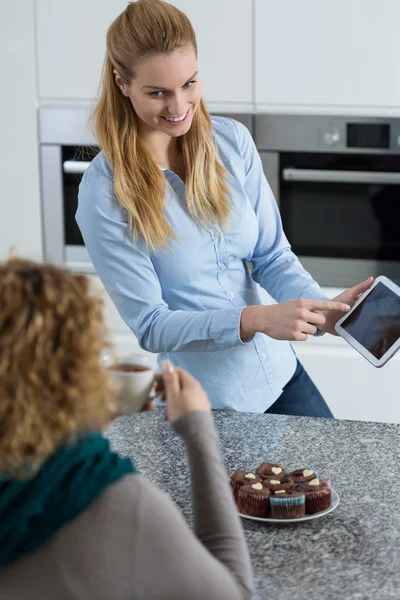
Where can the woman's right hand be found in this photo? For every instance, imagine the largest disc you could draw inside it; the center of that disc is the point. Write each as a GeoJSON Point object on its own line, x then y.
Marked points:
{"type": "Point", "coordinates": [293, 320]}
{"type": "Point", "coordinates": [184, 394]}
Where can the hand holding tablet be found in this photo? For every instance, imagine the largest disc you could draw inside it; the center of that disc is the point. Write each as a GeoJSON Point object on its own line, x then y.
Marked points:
{"type": "Point", "coordinates": [372, 326]}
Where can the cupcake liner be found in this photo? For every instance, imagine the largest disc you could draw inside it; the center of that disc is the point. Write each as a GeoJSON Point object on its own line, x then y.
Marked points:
{"type": "Point", "coordinates": [235, 488]}
{"type": "Point", "coordinates": [287, 508]}
{"type": "Point", "coordinates": [253, 505]}
{"type": "Point", "coordinates": [318, 500]}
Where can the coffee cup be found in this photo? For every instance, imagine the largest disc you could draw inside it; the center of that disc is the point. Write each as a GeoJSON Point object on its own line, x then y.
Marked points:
{"type": "Point", "coordinates": [136, 379]}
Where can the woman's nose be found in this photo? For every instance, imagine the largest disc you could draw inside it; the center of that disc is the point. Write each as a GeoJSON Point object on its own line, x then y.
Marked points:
{"type": "Point", "coordinates": [177, 106]}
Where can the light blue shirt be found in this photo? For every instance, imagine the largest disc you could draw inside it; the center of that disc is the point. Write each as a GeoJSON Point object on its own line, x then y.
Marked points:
{"type": "Point", "coordinates": [186, 304]}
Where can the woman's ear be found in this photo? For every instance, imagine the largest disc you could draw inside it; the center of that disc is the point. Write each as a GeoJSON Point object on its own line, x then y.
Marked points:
{"type": "Point", "coordinates": [120, 83]}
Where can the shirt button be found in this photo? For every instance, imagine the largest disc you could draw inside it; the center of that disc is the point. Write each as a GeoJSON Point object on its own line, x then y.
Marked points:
{"type": "Point", "coordinates": [231, 294]}
{"type": "Point", "coordinates": [222, 268]}
{"type": "Point", "coordinates": [263, 356]}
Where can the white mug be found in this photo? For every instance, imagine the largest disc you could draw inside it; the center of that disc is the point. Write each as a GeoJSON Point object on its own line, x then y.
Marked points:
{"type": "Point", "coordinates": [136, 378]}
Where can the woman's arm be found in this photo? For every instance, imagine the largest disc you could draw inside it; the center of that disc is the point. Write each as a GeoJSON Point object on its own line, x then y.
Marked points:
{"type": "Point", "coordinates": [171, 562]}
{"type": "Point", "coordinates": [128, 275]}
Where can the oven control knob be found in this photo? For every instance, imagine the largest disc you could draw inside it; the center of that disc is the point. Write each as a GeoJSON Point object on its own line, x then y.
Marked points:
{"type": "Point", "coordinates": [331, 138]}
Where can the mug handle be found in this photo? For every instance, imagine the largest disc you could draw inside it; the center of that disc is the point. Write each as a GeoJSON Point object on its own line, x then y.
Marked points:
{"type": "Point", "coordinates": [156, 388]}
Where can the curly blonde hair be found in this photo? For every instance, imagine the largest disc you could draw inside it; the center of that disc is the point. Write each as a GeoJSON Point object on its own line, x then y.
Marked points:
{"type": "Point", "coordinates": [52, 382]}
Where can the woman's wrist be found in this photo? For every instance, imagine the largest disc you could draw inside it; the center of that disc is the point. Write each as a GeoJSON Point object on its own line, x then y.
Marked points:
{"type": "Point", "coordinates": [251, 321]}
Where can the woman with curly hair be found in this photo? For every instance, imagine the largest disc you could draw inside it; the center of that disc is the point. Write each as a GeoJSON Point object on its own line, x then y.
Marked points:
{"type": "Point", "coordinates": [76, 520]}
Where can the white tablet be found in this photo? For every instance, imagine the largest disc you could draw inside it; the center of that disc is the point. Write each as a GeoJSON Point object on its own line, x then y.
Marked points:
{"type": "Point", "coordinates": [372, 325]}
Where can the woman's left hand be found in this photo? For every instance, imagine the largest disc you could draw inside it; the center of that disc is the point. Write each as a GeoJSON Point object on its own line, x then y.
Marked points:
{"type": "Point", "coordinates": [348, 297]}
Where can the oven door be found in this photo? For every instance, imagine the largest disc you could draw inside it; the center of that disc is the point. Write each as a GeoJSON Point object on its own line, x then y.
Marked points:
{"type": "Point", "coordinates": [62, 170]}
{"type": "Point", "coordinates": [341, 214]}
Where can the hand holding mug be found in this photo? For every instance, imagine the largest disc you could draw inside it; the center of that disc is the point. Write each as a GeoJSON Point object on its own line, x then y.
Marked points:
{"type": "Point", "coordinates": [136, 383]}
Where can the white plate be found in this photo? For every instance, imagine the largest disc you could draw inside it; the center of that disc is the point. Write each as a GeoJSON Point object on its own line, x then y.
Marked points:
{"type": "Point", "coordinates": [335, 502]}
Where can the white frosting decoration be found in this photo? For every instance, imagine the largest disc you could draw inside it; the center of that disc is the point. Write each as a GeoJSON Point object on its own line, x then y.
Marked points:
{"type": "Point", "coordinates": [314, 482]}
{"type": "Point", "coordinates": [274, 481]}
{"type": "Point", "coordinates": [257, 486]}
{"type": "Point", "coordinates": [250, 476]}
{"type": "Point", "coordinates": [307, 473]}
{"type": "Point", "coordinates": [276, 470]}
{"type": "Point", "coordinates": [279, 491]}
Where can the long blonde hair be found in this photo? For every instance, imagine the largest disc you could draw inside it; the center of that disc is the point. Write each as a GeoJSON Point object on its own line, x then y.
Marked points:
{"type": "Point", "coordinates": [145, 28]}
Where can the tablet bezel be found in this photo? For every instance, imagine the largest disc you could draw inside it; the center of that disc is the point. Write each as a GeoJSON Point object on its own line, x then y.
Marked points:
{"type": "Point", "coordinates": [377, 362]}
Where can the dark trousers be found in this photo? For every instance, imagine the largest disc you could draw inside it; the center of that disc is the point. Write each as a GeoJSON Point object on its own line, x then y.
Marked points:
{"type": "Point", "coordinates": [300, 397]}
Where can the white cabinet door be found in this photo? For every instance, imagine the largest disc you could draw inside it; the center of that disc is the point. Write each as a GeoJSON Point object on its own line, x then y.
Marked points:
{"type": "Point", "coordinates": [224, 39]}
{"type": "Point", "coordinates": [327, 56]}
{"type": "Point", "coordinates": [352, 387]}
{"type": "Point", "coordinates": [71, 46]}
{"type": "Point", "coordinates": [20, 220]}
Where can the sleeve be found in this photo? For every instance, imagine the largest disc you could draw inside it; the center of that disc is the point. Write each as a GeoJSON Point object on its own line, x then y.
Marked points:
{"type": "Point", "coordinates": [275, 267]}
{"type": "Point", "coordinates": [212, 564]}
{"type": "Point", "coordinates": [127, 272]}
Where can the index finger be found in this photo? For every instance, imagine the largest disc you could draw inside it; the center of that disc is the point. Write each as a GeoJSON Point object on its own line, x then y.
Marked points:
{"type": "Point", "coordinates": [328, 305]}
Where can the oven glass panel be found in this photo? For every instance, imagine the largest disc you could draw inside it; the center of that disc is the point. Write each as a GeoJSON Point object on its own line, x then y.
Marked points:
{"type": "Point", "coordinates": [341, 220]}
{"type": "Point", "coordinates": [71, 181]}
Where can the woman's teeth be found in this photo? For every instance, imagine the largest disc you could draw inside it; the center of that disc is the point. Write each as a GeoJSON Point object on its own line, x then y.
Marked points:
{"type": "Point", "coordinates": [176, 119]}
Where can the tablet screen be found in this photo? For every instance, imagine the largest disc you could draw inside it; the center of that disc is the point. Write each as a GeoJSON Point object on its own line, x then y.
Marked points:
{"type": "Point", "coordinates": [375, 323]}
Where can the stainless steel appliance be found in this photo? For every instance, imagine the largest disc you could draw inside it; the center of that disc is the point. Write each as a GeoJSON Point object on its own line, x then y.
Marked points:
{"type": "Point", "coordinates": [67, 146]}
{"type": "Point", "coordinates": [337, 183]}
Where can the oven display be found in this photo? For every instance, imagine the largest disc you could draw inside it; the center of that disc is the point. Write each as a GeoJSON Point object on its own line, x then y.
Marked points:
{"type": "Point", "coordinates": [368, 135]}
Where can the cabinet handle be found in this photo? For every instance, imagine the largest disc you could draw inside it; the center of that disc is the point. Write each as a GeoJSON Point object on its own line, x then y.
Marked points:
{"type": "Point", "coordinates": [75, 167]}
{"type": "Point", "coordinates": [322, 176]}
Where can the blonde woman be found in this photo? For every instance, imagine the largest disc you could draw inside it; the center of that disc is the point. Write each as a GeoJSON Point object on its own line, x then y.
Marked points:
{"type": "Point", "coordinates": [171, 212]}
{"type": "Point", "coordinates": [76, 521]}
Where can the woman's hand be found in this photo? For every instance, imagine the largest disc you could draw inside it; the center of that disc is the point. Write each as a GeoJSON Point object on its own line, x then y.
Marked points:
{"type": "Point", "coordinates": [184, 394]}
{"type": "Point", "coordinates": [293, 320]}
{"type": "Point", "coordinates": [349, 296]}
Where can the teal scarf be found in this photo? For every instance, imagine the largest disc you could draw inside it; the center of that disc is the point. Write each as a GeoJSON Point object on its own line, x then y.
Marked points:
{"type": "Point", "coordinates": [33, 510]}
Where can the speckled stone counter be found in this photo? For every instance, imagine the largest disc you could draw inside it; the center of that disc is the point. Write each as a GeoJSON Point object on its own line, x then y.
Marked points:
{"type": "Point", "coordinates": [352, 553]}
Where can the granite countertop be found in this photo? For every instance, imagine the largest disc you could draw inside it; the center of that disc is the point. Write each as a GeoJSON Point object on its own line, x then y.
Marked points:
{"type": "Point", "coordinates": [352, 553]}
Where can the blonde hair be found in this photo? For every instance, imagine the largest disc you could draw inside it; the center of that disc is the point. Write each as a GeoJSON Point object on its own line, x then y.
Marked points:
{"type": "Point", "coordinates": [145, 28]}
{"type": "Point", "coordinates": [52, 382]}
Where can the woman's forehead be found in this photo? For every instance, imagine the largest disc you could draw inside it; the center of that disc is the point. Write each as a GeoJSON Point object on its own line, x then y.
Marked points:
{"type": "Point", "coordinates": [167, 71]}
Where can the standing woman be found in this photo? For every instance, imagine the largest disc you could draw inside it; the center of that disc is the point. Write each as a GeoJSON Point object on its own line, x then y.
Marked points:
{"type": "Point", "coordinates": [173, 209]}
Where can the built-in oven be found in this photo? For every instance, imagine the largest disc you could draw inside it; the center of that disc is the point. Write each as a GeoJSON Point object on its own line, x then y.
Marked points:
{"type": "Point", "coordinates": [67, 145]}
{"type": "Point", "coordinates": [337, 182]}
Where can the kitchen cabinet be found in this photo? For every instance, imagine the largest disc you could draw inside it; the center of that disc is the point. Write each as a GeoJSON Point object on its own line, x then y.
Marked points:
{"type": "Point", "coordinates": [71, 47]}
{"type": "Point", "coordinates": [20, 221]}
{"type": "Point", "coordinates": [327, 57]}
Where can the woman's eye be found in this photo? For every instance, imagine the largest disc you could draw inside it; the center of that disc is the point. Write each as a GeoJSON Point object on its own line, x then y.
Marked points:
{"type": "Point", "coordinates": [189, 83]}
{"type": "Point", "coordinates": [157, 94]}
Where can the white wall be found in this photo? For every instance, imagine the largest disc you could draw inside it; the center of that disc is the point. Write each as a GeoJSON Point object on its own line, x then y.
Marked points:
{"type": "Point", "coordinates": [20, 221]}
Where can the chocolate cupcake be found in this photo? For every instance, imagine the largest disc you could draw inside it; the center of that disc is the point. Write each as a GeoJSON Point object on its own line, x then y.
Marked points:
{"type": "Point", "coordinates": [302, 475]}
{"type": "Point", "coordinates": [288, 504]}
{"type": "Point", "coordinates": [286, 483]}
{"type": "Point", "coordinates": [240, 478]}
{"type": "Point", "coordinates": [270, 471]}
{"type": "Point", "coordinates": [318, 495]}
{"type": "Point", "coordinates": [253, 500]}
